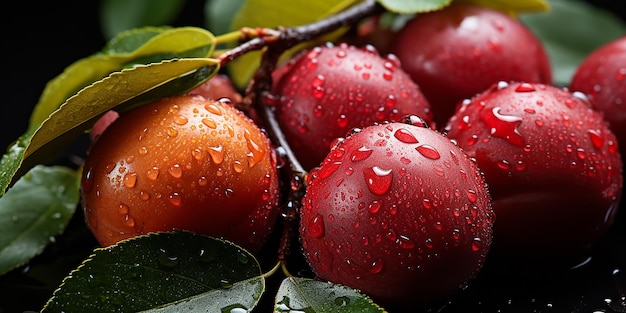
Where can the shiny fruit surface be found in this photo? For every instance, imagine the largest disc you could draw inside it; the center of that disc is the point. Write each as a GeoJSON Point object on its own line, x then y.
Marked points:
{"type": "Point", "coordinates": [602, 76]}
{"type": "Point", "coordinates": [399, 212]}
{"type": "Point", "coordinates": [552, 166]}
{"type": "Point", "coordinates": [460, 50]}
{"type": "Point", "coordinates": [184, 162]}
{"type": "Point", "coordinates": [326, 91]}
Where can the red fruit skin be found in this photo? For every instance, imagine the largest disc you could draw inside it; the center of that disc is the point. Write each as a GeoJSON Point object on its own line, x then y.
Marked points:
{"type": "Point", "coordinates": [399, 212]}
{"type": "Point", "coordinates": [459, 51]}
{"type": "Point", "coordinates": [218, 86]}
{"type": "Point", "coordinates": [602, 77]}
{"type": "Point", "coordinates": [328, 90]}
{"type": "Point", "coordinates": [184, 162]}
{"type": "Point", "coordinates": [552, 166]}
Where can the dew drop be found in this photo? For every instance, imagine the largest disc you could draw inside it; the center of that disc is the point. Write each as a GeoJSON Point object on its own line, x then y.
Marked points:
{"type": "Point", "coordinates": [175, 198]}
{"type": "Point", "coordinates": [525, 87]}
{"type": "Point", "coordinates": [237, 166]}
{"type": "Point", "coordinates": [129, 221]}
{"type": "Point", "coordinates": [123, 209]}
{"type": "Point", "coordinates": [378, 180]}
{"type": "Point", "coordinates": [328, 169]}
{"type": "Point", "coordinates": [342, 121]}
{"type": "Point", "coordinates": [216, 153]}
{"type": "Point", "coordinates": [374, 206]}
{"type": "Point", "coordinates": [405, 136]}
{"type": "Point", "coordinates": [477, 244]}
{"type": "Point", "coordinates": [360, 154]}
{"type": "Point", "coordinates": [171, 131]}
{"type": "Point", "coordinates": [153, 173]}
{"type": "Point", "coordinates": [596, 138]}
{"type": "Point", "coordinates": [181, 120]}
{"type": "Point", "coordinates": [209, 123]}
{"type": "Point", "coordinates": [428, 151]}
{"type": "Point", "coordinates": [175, 170]}
{"type": "Point", "coordinates": [130, 180]}
{"type": "Point", "coordinates": [316, 226]}
{"type": "Point", "coordinates": [376, 266]}
{"type": "Point", "coordinates": [212, 108]}
{"type": "Point", "coordinates": [503, 126]}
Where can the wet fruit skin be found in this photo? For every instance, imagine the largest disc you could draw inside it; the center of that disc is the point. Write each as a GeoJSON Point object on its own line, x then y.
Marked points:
{"type": "Point", "coordinates": [324, 92]}
{"type": "Point", "coordinates": [183, 162]}
{"type": "Point", "coordinates": [552, 166]}
{"type": "Point", "coordinates": [602, 76]}
{"type": "Point", "coordinates": [459, 51]}
{"type": "Point", "coordinates": [399, 212]}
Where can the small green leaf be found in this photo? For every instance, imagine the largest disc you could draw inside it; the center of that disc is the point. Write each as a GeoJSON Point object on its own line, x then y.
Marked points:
{"type": "Point", "coordinates": [275, 13]}
{"type": "Point", "coordinates": [308, 295]}
{"type": "Point", "coordinates": [413, 6]}
{"type": "Point", "coordinates": [570, 31]}
{"type": "Point", "coordinates": [36, 209]}
{"type": "Point", "coordinates": [120, 15]}
{"type": "Point", "coordinates": [162, 272]}
{"type": "Point", "coordinates": [137, 46]}
{"type": "Point", "coordinates": [119, 91]}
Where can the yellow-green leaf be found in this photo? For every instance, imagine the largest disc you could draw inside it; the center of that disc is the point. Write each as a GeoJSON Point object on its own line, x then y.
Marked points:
{"type": "Point", "coordinates": [514, 7]}
{"type": "Point", "coordinates": [275, 13]}
{"type": "Point", "coordinates": [119, 91]}
{"type": "Point", "coordinates": [138, 46]}
{"type": "Point", "coordinates": [413, 6]}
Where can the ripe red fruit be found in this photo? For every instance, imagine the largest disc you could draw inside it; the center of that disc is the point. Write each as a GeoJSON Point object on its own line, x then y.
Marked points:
{"type": "Point", "coordinates": [399, 212]}
{"type": "Point", "coordinates": [602, 76]}
{"type": "Point", "coordinates": [458, 51]}
{"type": "Point", "coordinates": [184, 162]}
{"type": "Point", "coordinates": [552, 166]}
{"type": "Point", "coordinates": [326, 91]}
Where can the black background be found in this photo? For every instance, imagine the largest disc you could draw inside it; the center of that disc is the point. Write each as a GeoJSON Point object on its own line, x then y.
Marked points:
{"type": "Point", "coordinates": [39, 39]}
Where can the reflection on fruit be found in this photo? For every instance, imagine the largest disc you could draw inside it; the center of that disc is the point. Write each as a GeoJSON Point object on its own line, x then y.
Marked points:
{"type": "Point", "coordinates": [324, 92]}
{"type": "Point", "coordinates": [399, 212]}
{"type": "Point", "coordinates": [552, 166]}
{"type": "Point", "coordinates": [459, 51]}
{"type": "Point", "coordinates": [602, 76]}
{"type": "Point", "coordinates": [184, 162]}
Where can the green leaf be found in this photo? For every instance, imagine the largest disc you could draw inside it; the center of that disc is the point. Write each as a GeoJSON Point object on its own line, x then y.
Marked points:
{"type": "Point", "coordinates": [162, 272]}
{"type": "Point", "coordinates": [36, 209]}
{"type": "Point", "coordinates": [308, 295]}
{"type": "Point", "coordinates": [275, 13]}
{"type": "Point", "coordinates": [513, 7]}
{"type": "Point", "coordinates": [570, 31]}
{"type": "Point", "coordinates": [137, 46]}
{"type": "Point", "coordinates": [120, 91]}
{"type": "Point", "coordinates": [120, 15]}
{"type": "Point", "coordinates": [413, 6]}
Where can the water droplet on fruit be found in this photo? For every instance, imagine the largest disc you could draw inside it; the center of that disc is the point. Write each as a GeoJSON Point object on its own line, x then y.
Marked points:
{"type": "Point", "coordinates": [503, 126]}
{"type": "Point", "coordinates": [237, 166]}
{"type": "Point", "coordinates": [171, 131]}
{"type": "Point", "coordinates": [360, 154]}
{"type": "Point", "coordinates": [209, 123]}
{"type": "Point", "coordinates": [123, 209]}
{"type": "Point", "coordinates": [580, 152]}
{"type": "Point", "coordinates": [378, 180]}
{"type": "Point", "coordinates": [328, 169]}
{"type": "Point", "coordinates": [175, 170]}
{"type": "Point", "coordinates": [129, 221]}
{"type": "Point", "coordinates": [525, 87]}
{"type": "Point", "coordinates": [181, 120]}
{"type": "Point", "coordinates": [375, 206]}
{"type": "Point", "coordinates": [175, 198]}
{"type": "Point", "coordinates": [596, 138]}
{"type": "Point", "coordinates": [130, 180]}
{"type": "Point", "coordinates": [342, 121]}
{"type": "Point", "coordinates": [405, 136]}
{"type": "Point", "coordinates": [212, 108]}
{"type": "Point", "coordinates": [216, 153]}
{"type": "Point", "coordinates": [406, 242]}
{"type": "Point", "coordinates": [316, 226]}
{"type": "Point", "coordinates": [428, 151]}
{"type": "Point", "coordinates": [153, 173]}
{"type": "Point", "coordinates": [376, 266]}
{"type": "Point", "coordinates": [477, 244]}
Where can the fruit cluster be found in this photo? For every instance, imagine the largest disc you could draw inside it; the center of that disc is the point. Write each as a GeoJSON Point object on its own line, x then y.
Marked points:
{"type": "Point", "coordinates": [417, 166]}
